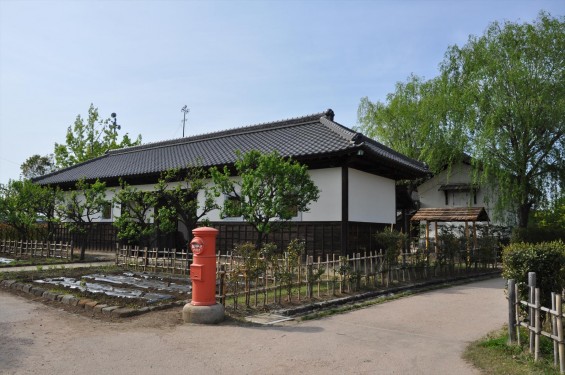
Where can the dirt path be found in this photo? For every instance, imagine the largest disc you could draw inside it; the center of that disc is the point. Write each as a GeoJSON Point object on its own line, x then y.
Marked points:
{"type": "Point", "coordinates": [423, 334]}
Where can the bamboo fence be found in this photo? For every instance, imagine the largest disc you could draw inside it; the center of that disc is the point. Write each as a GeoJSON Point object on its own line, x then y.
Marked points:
{"type": "Point", "coordinates": [36, 249]}
{"type": "Point", "coordinates": [533, 320]}
{"type": "Point", "coordinates": [261, 281]}
{"type": "Point", "coordinates": [155, 260]}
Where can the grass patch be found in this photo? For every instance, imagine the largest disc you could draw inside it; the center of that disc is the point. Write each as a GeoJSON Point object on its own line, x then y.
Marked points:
{"type": "Point", "coordinates": [494, 356]}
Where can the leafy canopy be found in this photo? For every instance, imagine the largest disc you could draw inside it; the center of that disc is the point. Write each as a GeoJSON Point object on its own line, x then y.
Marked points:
{"type": "Point", "coordinates": [37, 165]}
{"type": "Point", "coordinates": [90, 139]}
{"type": "Point", "coordinates": [19, 205]}
{"type": "Point", "coordinates": [81, 207]}
{"type": "Point", "coordinates": [499, 98]}
{"type": "Point", "coordinates": [269, 190]}
{"type": "Point", "coordinates": [135, 222]}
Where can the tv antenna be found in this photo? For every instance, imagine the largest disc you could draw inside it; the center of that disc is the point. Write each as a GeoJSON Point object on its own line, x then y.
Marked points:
{"type": "Point", "coordinates": [185, 110]}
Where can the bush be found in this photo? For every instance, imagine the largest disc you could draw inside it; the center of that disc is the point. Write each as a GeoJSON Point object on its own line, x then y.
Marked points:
{"type": "Point", "coordinates": [546, 259]}
{"type": "Point", "coordinates": [392, 242]}
{"type": "Point", "coordinates": [538, 234]}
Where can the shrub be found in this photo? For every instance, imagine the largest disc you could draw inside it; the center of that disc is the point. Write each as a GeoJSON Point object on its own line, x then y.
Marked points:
{"type": "Point", "coordinates": [546, 259]}
{"type": "Point", "coordinates": [392, 242]}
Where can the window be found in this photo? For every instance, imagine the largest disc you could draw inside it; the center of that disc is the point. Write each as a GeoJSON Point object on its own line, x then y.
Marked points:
{"type": "Point", "coordinates": [106, 210]}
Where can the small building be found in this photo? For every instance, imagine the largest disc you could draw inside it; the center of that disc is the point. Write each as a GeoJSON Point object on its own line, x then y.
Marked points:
{"type": "Point", "coordinates": [450, 198]}
{"type": "Point", "coordinates": [355, 174]}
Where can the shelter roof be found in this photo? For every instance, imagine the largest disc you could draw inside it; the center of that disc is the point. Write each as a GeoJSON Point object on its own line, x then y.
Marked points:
{"type": "Point", "coordinates": [306, 138]}
{"type": "Point", "coordinates": [451, 214]}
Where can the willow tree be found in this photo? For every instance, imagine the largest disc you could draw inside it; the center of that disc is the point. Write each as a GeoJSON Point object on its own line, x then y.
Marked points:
{"type": "Point", "coordinates": [511, 84]}
{"type": "Point", "coordinates": [501, 99]}
{"type": "Point", "coordinates": [415, 121]}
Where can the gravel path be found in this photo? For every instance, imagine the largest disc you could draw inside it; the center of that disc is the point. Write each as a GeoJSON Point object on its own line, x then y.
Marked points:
{"type": "Point", "coordinates": [422, 334]}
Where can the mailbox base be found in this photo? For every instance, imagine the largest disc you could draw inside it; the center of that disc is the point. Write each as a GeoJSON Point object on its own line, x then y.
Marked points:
{"type": "Point", "coordinates": [212, 314]}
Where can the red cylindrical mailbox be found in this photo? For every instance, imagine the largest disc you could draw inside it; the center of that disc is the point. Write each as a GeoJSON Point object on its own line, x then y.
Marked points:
{"type": "Point", "coordinates": [203, 267]}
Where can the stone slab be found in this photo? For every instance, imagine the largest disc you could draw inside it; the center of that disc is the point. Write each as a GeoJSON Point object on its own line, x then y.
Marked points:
{"type": "Point", "coordinates": [124, 312]}
{"type": "Point", "coordinates": [8, 283]}
{"type": "Point", "coordinates": [69, 299]}
{"type": "Point", "coordinates": [37, 291]}
{"type": "Point", "coordinates": [98, 308]}
{"type": "Point", "coordinates": [90, 305]}
{"type": "Point", "coordinates": [108, 310]}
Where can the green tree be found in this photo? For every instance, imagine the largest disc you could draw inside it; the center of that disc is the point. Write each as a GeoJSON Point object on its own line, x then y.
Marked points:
{"type": "Point", "coordinates": [511, 84]}
{"type": "Point", "coordinates": [501, 99]}
{"type": "Point", "coordinates": [90, 139]}
{"type": "Point", "coordinates": [136, 221]}
{"type": "Point", "coordinates": [415, 121]}
{"type": "Point", "coordinates": [80, 209]}
{"type": "Point", "coordinates": [179, 190]}
{"type": "Point", "coordinates": [37, 165]}
{"type": "Point", "coordinates": [270, 190]}
{"type": "Point", "coordinates": [18, 206]}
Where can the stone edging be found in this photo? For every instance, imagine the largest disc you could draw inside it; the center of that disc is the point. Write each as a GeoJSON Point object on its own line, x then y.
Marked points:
{"type": "Point", "coordinates": [85, 303]}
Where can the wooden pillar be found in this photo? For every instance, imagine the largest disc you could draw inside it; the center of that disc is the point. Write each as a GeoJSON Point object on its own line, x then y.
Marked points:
{"type": "Point", "coordinates": [467, 234]}
{"type": "Point", "coordinates": [435, 236]}
{"type": "Point", "coordinates": [344, 210]}
{"type": "Point", "coordinates": [474, 234]}
{"type": "Point", "coordinates": [427, 234]}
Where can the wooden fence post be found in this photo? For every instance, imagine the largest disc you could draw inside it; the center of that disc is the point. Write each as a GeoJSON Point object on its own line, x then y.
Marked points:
{"type": "Point", "coordinates": [554, 330]}
{"type": "Point", "coordinates": [531, 290]}
{"type": "Point", "coordinates": [537, 324]}
{"type": "Point", "coordinates": [559, 310]}
{"type": "Point", "coordinates": [511, 311]}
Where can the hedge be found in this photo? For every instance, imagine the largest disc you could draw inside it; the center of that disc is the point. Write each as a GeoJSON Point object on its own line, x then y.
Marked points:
{"type": "Point", "coordinates": [546, 259]}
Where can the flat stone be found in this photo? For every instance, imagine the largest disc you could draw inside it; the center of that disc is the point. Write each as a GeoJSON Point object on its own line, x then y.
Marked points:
{"type": "Point", "coordinates": [17, 286]}
{"type": "Point", "coordinates": [90, 305]}
{"type": "Point", "coordinates": [108, 310]}
{"type": "Point", "coordinates": [83, 302]}
{"type": "Point", "coordinates": [98, 308]}
{"type": "Point", "coordinates": [124, 312]}
{"type": "Point", "coordinates": [50, 296]}
{"type": "Point", "coordinates": [37, 291]}
{"type": "Point", "coordinates": [8, 283]}
{"type": "Point", "coordinates": [27, 288]}
{"type": "Point", "coordinates": [69, 300]}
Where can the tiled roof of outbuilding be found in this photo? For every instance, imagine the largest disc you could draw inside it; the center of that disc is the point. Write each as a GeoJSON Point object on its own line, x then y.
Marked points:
{"type": "Point", "coordinates": [308, 137]}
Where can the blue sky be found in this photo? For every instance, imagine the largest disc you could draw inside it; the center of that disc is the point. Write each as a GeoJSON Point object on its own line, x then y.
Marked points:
{"type": "Point", "coordinates": [233, 63]}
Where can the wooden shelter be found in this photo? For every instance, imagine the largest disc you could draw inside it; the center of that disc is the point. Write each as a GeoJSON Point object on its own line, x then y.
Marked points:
{"type": "Point", "coordinates": [456, 214]}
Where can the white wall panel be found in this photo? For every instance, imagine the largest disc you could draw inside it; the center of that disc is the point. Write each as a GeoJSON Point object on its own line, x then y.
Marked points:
{"type": "Point", "coordinates": [372, 199]}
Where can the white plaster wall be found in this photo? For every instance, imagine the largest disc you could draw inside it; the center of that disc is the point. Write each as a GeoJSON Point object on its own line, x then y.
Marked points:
{"type": "Point", "coordinates": [431, 197]}
{"type": "Point", "coordinates": [328, 206]}
{"type": "Point", "coordinates": [372, 199]}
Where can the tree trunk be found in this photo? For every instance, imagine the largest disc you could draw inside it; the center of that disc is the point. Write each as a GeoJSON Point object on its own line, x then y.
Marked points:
{"type": "Point", "coordinates": [524, 214]}
{"type": "Point", "coordinates": [259, 242]}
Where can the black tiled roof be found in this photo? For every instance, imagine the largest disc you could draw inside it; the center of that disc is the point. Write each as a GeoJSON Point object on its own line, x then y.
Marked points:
{"type": "Point", "coordinates": [305, 137]}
